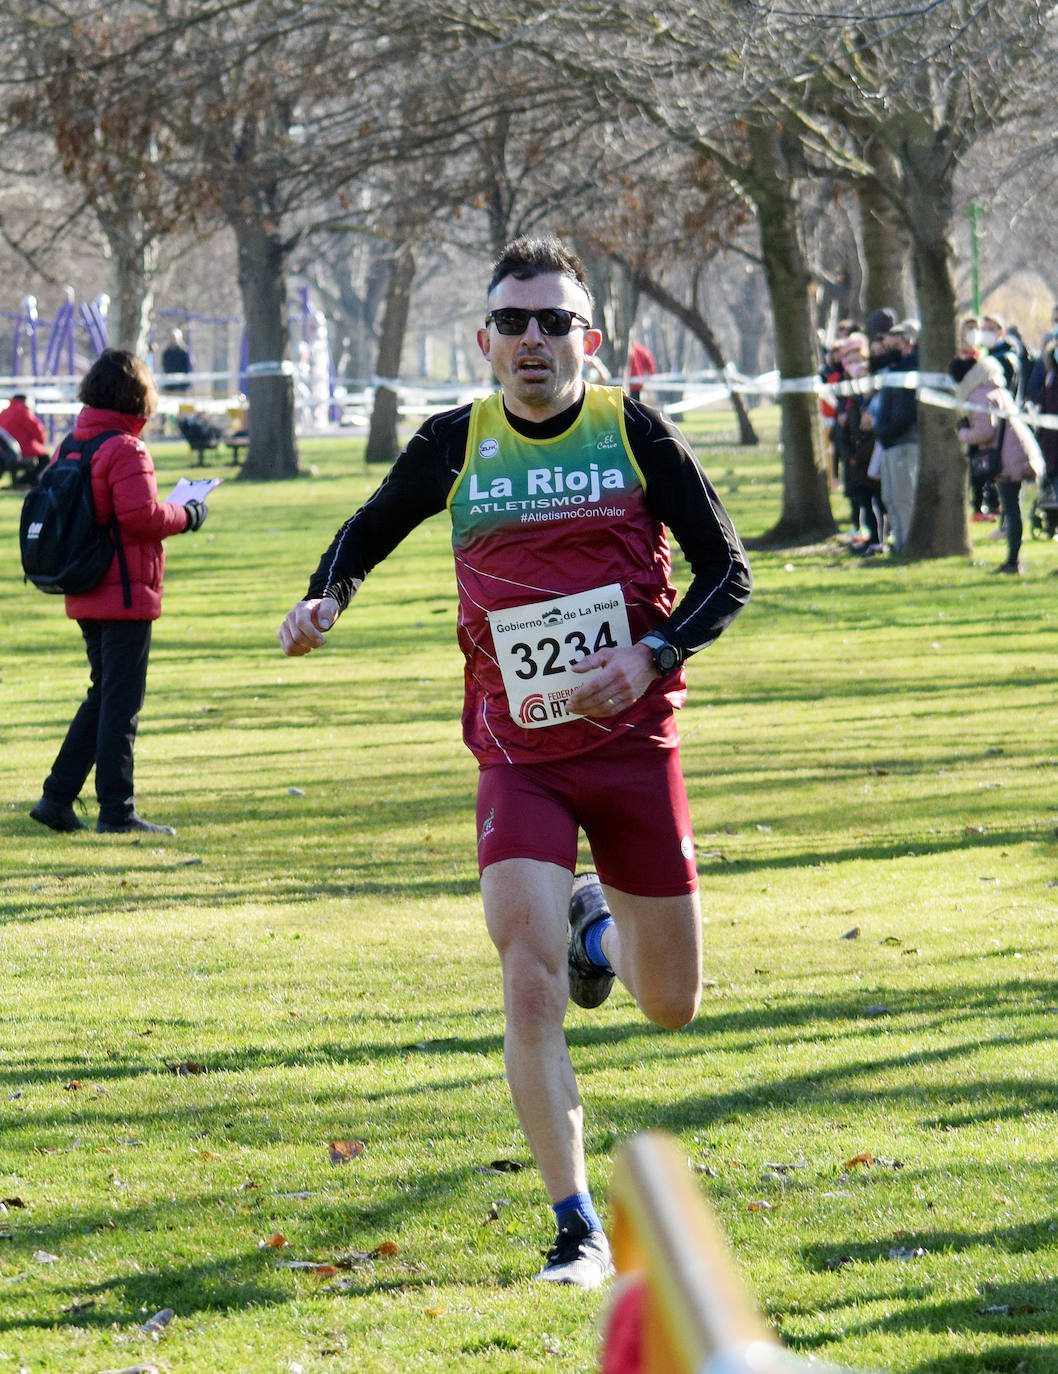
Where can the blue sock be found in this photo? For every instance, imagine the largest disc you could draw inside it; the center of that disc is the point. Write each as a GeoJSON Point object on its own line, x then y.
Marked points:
{"type": "Point", "coordinates": [593, 941]}
{"type": "Point", "coordinates": [577, 1204]}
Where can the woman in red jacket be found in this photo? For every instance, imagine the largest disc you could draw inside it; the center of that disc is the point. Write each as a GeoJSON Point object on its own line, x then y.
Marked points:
{"type": "Point", "coordinates": [117, 393]}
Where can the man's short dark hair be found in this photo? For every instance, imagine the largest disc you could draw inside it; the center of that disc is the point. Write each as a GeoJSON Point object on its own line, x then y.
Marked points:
{"type": "Point", "coordinates": [531, 256]}
{"type": "Point", "coordinates": [118, 380]}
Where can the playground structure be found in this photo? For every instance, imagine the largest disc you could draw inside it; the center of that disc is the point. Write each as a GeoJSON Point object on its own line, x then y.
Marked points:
{"type": "Point", "coordinates": [49, 356]}
{"type": "Point", "coordinates": [679, 1306]}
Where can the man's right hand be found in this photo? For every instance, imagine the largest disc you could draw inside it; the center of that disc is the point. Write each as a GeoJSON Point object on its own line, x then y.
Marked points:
{"type": "Point", "coordinates": [304, 628]}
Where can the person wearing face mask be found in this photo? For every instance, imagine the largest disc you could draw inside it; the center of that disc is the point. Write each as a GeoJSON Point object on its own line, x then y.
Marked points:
{"type": "Point", "coordinates": [1038, 373]}
{"type": "Point", "coordinates": [992, 421]}
{"type": "Point", "coordinates": [560, 494]}
{"type": "Point", "coordinates": [854, 432]}
{"type": "Point", "coordinates": [984, 495]}
{"type": "Point", "coordinates": [896, 429]}
{"type": "Point", "coordinates": [993, 338]}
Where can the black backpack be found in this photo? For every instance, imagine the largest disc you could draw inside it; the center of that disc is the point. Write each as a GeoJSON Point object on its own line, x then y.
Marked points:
{"type": "Point", "coordinates": [64, 550]}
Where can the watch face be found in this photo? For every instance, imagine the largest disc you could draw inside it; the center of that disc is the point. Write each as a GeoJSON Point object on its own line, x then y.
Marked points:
{"type": "Point", "coordinates": [666, 658]}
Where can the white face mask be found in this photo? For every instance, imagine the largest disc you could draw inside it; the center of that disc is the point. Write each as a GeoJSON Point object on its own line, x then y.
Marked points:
{"type": "Point", "coordinates": [982, 338]}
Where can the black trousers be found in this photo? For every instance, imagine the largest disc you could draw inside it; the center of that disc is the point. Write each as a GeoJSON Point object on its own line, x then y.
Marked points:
{"type": "Point", "coordinates": [103, 731]}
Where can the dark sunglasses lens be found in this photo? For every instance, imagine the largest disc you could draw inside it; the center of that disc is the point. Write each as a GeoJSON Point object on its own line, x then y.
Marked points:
{"type": "Point", "coordinates": [555, 321]}
{"type": "Point", "coordinates": [552, 322]}
{"type": "Point", "coordinates": [511, 321]}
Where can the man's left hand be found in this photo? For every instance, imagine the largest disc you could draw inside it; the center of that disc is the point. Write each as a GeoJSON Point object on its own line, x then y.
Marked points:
{"type": "Point", "coordinates": [615, 679]}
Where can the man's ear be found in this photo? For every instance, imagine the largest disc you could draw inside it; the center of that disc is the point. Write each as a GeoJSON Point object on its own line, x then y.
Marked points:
{"type": "Point", "coordinates": [483, 342]}
{"type": "Point", "coordinates": [592, 341]}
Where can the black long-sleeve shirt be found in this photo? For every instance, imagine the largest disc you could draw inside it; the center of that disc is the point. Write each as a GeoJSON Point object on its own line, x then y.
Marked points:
{"type": "Point", "coordinates": [677, 493]}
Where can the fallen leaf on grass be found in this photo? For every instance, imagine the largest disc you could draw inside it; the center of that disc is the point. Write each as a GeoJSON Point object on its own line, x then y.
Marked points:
{"type": "Point", "coordinates": [45, 1257]}
{"type": "Point", "coordinates": [245, 1186]}
{"type": "Point", "coordinates": [351, 1258]}
{"type": "Point", "coordinates": [134, 1369]}
{"type": "Point", "coordinates": [787, 1168]}
{"type": "Point", "coordinates": [761, 1206]}
{"type": "Point", "coordinates": [188, 1067]}
{"type": "Point", "coordinates": [838, 1262]}
{"type": "Point", "coordinates": [880, 1009]}
{"type": "Point", "coordinates": [866, 1159]}
{"type": "Point", "coordinates": [10, 1203]}
{"type": "Point", "coordinates": [155, 1325]}
{"type": "Point", "coordinates": [853, 934]}
{"type": "Point", "coordinates": [342, 1151]}
{"type": "Point", "coordinates": [275, 1241]}
{"type": "Point", "coordinates": [905, 1252]}
{"type": "Point", "coordinates": [325, 1270]}
{"type": "Point", "coordinates": [73, 1085]}
{"type": "Point", "coordinates": [436, 1311]}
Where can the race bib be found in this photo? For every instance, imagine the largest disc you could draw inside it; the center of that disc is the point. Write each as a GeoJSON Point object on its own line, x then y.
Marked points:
{"type": "Point", "coordinates": [537, 646]}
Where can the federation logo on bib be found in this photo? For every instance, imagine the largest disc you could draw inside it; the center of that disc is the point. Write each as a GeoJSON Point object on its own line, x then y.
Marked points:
{"type": "Point", "coordinates": [488, 448]}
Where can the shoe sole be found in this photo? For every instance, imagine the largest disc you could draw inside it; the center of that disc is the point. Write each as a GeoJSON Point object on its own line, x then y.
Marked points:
{"type": "Point", "coordinates": [588, 986]}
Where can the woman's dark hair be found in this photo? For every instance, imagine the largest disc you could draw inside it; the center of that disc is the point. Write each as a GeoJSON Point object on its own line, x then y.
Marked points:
{"type": "Point", "coordinates": [118, 380]}
{"type": "Point", "coordinates": [959, 367]}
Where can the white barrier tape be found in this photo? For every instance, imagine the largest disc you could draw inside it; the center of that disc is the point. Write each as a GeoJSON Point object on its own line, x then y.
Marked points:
{"type": "Point", "coordinates": [283, 368]}
{"type": "Point", "coordinates": [709, 386]}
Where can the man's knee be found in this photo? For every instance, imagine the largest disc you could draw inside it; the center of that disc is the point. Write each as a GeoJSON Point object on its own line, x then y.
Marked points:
{"type": "Point", "coordinates": [535, 994]}
{"type": "Point", "coordinates": [671, 1007]}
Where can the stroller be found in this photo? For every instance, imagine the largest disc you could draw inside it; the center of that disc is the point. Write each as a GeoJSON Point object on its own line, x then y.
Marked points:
{"type": "Point", "coordinates": [200, 434]}
{"type": "Point", "coordinates": [23, 468]}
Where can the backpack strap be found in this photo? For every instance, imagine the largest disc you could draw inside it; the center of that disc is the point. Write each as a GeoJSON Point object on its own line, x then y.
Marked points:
{"type": "Point", "coordinates": [86, 448]}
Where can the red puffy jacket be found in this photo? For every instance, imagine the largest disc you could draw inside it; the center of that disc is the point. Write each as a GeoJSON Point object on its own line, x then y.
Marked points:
{"type": "Point", "coordinates": [25, 428]}
{"type": "Point", "coordinates": [123, 484]}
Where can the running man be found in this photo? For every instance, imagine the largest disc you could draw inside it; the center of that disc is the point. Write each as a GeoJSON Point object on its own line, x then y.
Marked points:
{"type": "Point", "coordinates": [560, 493]}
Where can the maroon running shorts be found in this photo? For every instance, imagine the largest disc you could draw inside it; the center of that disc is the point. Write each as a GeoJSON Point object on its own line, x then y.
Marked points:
{"type": "Point", "coordinates": [628, 796]}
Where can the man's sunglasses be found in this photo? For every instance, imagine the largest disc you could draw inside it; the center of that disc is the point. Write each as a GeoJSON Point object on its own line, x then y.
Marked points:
{"type": "Point", "coordinates": [552, 321]}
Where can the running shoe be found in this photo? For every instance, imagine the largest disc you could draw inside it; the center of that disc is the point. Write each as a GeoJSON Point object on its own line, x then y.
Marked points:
{"type": "Point", "coordinates": [589, 985]}
{"type": "Point", "coordinates": [580, 1257]}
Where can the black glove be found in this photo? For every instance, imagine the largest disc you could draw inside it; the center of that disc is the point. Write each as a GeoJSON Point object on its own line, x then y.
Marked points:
{"type": "Point", "coordinates": [196, 514]}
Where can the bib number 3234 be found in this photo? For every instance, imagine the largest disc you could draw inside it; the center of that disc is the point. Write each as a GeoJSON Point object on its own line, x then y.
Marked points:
{"type": "Point", "coordinates": [537, 646]}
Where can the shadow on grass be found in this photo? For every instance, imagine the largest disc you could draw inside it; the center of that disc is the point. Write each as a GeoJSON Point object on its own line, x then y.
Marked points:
{"type": "Point", "coordinates": [255, 1276]}
{"type": "Point", "coordinates": [1018, 1310]}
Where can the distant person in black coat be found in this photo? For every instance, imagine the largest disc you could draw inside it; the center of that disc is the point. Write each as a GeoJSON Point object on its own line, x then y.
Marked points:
{"type": "Point", "coordinates": [176, 363]}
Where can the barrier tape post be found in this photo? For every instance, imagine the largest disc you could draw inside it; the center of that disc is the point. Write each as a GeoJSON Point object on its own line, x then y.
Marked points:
{"type": "Point", "coordinates": [697, 1317]}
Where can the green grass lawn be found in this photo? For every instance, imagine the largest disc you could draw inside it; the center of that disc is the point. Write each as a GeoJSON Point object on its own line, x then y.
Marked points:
{"type": "Point", "coordinates": [872, 762]}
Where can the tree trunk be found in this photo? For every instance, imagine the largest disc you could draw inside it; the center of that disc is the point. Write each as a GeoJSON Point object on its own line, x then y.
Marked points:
{"type": "Point", "coordinates": [383, 442]}
{"type": "Point", "coordinates": [939, 526]}
{"type": "Point", "coordinates": [699, 327]}
{"type": "Point", "coordinates": [134, 258]}
{"type": "Point", "coordinates": [272, 452]}
{"type": "Point", "coordinates": [806, 513]}
{"type": "Point", "coordinates": [886, 246]}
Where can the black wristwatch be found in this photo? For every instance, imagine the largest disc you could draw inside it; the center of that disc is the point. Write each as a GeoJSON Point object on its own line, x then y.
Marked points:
{"type": "Point", "coordinates": [666, 656]}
